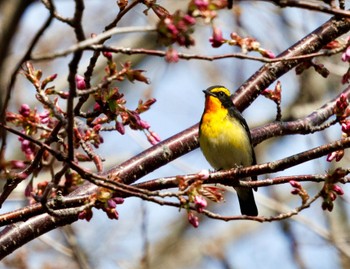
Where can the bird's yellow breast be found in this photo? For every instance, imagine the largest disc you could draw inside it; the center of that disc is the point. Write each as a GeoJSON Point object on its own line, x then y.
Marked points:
{"type": "Point", "coordinates": [223, 140]}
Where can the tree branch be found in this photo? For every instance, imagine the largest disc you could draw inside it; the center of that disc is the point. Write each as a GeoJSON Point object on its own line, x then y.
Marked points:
{"type": "Point", "coordinates": [128, 172]}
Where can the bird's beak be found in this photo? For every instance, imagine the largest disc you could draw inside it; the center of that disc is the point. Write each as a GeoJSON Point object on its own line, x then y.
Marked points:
{"type": "Point", "coordinates": [207, 92]}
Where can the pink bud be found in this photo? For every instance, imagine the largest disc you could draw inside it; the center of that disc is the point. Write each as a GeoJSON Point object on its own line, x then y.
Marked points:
{"type": "Point", "coordinates": [111, 203]}
{"type": "Point", "coordinates": [193, 219]}
{"type": "Point", "coordinates": [171, 27]}
{"type": "Point", "coordinates": [295, 191]}
{"type": "Point", "coordinates": [200, 203]}
{"type": "Point", "coordinates": [85, 214]}
{"type": "Point", "coordinates": [345, 126]}
{"type": "Point", "coordinates": [97, 107]}
{"type": "Point", "coordinates": [201, 4]}
{"type": "Point", "coordinates": [217, 39]}
{"type": "Point", "coordinates": [295, 184]}
{"type": "Point", "coordinates": [97, 127]}
{"type": "Point", "coordinates": [44, 117]}
{"type": "Point", "coordinates": [151, 140]}
{"type": "Point", "coordinates": [112, 213]}
{"type": "Point", "coordinates": [24, 110]}
{"type": "Point", "coordinates": [171, 56]}
{"type": "Point", "coordinates": [144, 124]}
{"type": "Point", "coordinates": [120, 127]}
{"type": "Point", "coordinates": [118, 200]}
{"type": "Point", "coordinates": [332, 196]}
{"type": "Point", "coordinates": [80, 82]}
{"type": "Point", "coordinates": [16, 164]}
{"type": "Point", "coordinates": [267, 53]}
{"type": "Point", "coordinates": [107, 54]}
{"type": "Point", "coordinates": [346, 55]}
{"type": "Point", "coordinates": [338, 190]}
{"type": "Point", "coordinates": [155, 136]}
{"type": "Point", "coordinates": [189, 19]}
{"type": "Point", "coordinates": [331, 156]}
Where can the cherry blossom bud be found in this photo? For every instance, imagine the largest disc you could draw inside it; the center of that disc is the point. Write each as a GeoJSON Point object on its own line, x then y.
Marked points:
{"type": "Point", "coordinates": [338, 190]}
{"type": "Point", "coordinates": [171, 27]}
{"type": "Point", "coordinates": [97, 107]}
{"type": "Point", "coordinates": [97, 127]}
{"type": "Point", "coordinates": [267, 53]}
{"type": "Point", "coordinates": [112, 213]}
{"type": "Point", "coordinates": [155, 136]}
{"type": "Point", "coordinates": [120, 127]}
{"type": "Point", "coordinates": [85, 214]}
{"type": "Point", "coordinates": [345, 126]}
{"type": "Point", "coordinates": [193, 219]}
{"type": "Point", "coordinates": [295, 184]}
{"type": "Point", "coordinates": [151, 139]}
{"type": "Point", "coordinates": [107, 54]}
{"type": "Point", "coordinates": [200, 203]}
{"type": "Point", "coordinates": [47, 80]}
{"type": "Point", "coordinates": [171, 56]}
{"type": "Point", "coordinates": [24, 110]}
{"type": "Point", "coordinates": [337, 155]}
{"type": "Point", "coordinates": [217, 39]}
{"type": "Point", "coordinates": [144, 124]}
{"type": "Point", "coordinates": [44, 117]}
{"type": "Point", "coordinates": [118, 200]}
{"type": "Point", "coordinates": [16, 164]}
{"type": "Point", "coordinates": [189, 19]}
{"type": "Point", "coordinates": [111, 203]}
{"type": "Point", "coordinates": [80, 82]}
{"type": "Point", "coordinates": [201, 4]}
{"type": "Point", "coordinates": [295, 191]}
{"type": "Point", "coordinates": [346, 55]}
{"type": "Point", "coordinates": [332, 196]}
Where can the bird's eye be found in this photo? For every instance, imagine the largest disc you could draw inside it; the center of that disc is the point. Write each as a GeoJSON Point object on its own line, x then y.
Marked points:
{"type": "Point", "coordinates": [221, 94]}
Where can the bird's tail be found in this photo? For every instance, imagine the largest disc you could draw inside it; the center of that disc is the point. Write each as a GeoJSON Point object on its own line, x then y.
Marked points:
{"type": "Point", "coordinates": [247, 201]}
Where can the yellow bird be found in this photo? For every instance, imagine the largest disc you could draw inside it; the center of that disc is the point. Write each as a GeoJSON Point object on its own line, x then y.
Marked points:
{"type": "Point", "coordinates": [225, 140]}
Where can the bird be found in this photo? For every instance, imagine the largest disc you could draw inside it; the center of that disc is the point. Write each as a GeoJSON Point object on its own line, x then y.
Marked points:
{"type": "Point", "coordinates": [225, 140]}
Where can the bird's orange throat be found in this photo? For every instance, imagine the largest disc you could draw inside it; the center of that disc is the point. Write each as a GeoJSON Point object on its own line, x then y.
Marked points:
{"type": "Point", "coordinates": [212, 104]}
{"type": "Point", "coordinates": [213, 116]}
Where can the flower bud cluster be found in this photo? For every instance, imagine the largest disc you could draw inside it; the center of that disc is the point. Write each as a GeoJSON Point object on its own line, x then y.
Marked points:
{"type": "Point", "coordinates": [108, 203]}
{"type": "Point", "coordinates": [275, 94]}
{"type": "Point", "coordinates": [176, 28]}
{"type": "Point", "coordinates": [330, 190]}
{"type": "Point", "coordinates": [206, 9]}
{"type": "Point", "coordinates": [109, 107]}
{"type": "Point", "coordinates": [342, 111]}
{"type": "Point", "coordinates": [246, 44]}
{"type": "Point", "coordinates": [198, 195]}
{"type": "Point", "coordinates": [110, 104]}
{"type": "Point", "coordinates": [32, 123]}
{"type": "Point", "coordinates": [299, 190]}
